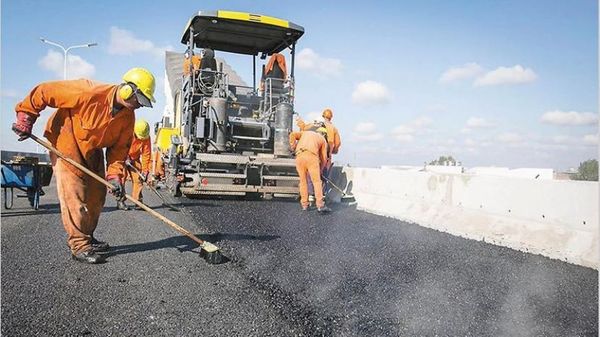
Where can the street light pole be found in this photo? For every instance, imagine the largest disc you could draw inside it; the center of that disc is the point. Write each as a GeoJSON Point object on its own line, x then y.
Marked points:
{"type": "Point", "coordinates": [66, 51]}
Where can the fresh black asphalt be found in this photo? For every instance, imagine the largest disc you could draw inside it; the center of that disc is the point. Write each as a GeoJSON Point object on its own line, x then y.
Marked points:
{"type": "Point", "coordinates": [289, 273]}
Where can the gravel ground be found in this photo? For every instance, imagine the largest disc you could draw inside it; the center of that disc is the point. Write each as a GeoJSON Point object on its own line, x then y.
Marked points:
{"type": "Point", "coordinates": [289, 273]}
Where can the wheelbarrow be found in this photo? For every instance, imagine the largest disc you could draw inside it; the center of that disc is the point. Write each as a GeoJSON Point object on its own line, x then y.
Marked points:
{"type": "Point", "coordinates": [25, 174]}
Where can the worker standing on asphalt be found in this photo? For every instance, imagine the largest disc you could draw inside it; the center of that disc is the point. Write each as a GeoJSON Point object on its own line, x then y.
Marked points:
{"type": "Point", "coordinates": [310, 148]}
{"type": "Point", "coordinates": [333, 140]}
{"type": "Point", "coordinates": [140, 157]}
{"type": "Point", "coordinates": [89, 117]}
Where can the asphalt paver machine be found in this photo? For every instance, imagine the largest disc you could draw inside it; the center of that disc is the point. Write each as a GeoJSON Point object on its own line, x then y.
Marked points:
{"type": "Point", "coordinates": [225, 137]}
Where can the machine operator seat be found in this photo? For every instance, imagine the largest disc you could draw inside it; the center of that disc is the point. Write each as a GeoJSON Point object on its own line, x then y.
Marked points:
{"type": "Point", "coordinates": [208, 68]}
{"type": "Point", "coordinates": [277, 72]}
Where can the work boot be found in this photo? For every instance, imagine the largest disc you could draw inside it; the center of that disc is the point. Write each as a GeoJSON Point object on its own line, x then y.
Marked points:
{"type": "Point", "coordinates": [99, 246]}
{"type": "Point", "coordinates": [324, 210]}
{"type": "Point", "coordinates": [121, 205]}
{"type": "Point", "coordinates": [89, 256]}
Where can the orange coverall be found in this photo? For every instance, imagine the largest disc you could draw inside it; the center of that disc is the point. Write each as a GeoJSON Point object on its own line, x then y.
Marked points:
{"type": "Point", "coordinates": [159, 168]}
{"type": "Point", "coordinates": [333, 136]}
{"type": "Point", "coordinates": [311, 156]}
{"type": "Point", "coordinates": [275, 58]}
{"type": "Point", "coordinates": [196, 61]}
{"type": "Point", "coordinates": [140, 154]}
{"type": "Point", "coordinates": [82, 126]}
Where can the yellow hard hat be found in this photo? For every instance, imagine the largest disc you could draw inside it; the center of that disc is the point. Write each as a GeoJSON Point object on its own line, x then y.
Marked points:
{"type": "Point", "coordinates": [143, 80]}
{"type": "Point", "coordinates": [141, 129]}
{"type": "Point", "coordinates": [328, 114]}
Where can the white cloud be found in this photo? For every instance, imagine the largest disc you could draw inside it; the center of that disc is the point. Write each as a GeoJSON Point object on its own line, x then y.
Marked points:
{"type": "Point", "coordinates": [404, 138]}
{"type": "Point", "coordinates": [406, 132]}
{"type": "Point", "coordinates": [509, 138]}
{"type": "Point", "coordinates": [312, 116]}
{"type": "Point", "coordinates": [403, 129]}
{"type": "Point", "coordinates": [467, 71]}
{"type": "Point", "coordinates": [371, 92]}
{"type": "Point", "coordinates": [558, 117]}
{"type": "Point", "coordinates": [367, 132]}
{"type": "Point", "coordinates": [561, 139]}
{"type": "Point", "coordinates": [124, 42]}
{"type": "Point", "coordinates": [422, 122]}
{"type": "Point", "coordinates": [307, 59]}
{"type": "Point", "coordinates": [436, 108]}
{"type": "Point", "coordinates": [77, 67]}
{"type": "Point", "coordinates": [590, 139]}
{"type": "Point", "coordinates": [504, 75]}
{"type": "Point", "coordinates": [470, 142]}
{"type": "Point", "coordinates": [8, 93]}
{"type": "Point", "coordinates": [478, 123]}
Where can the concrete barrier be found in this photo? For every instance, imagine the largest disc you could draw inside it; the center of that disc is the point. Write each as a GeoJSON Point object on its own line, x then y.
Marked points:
{"type": "Point", "coordinates": [554, 218]}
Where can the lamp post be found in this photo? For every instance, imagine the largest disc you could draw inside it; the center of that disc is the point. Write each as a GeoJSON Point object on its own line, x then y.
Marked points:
{"type": "Point", "coordinates": [66, 51]}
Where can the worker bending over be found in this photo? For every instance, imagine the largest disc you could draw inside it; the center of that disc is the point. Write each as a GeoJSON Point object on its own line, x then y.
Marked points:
{"type": "Point", "coordinates": [139, 160]}
{"type": "Point", "coordinates": [333, 140]}
{"type": "Point", "coordinates": [90, 117]}
{"type": "Point", "coordinates": [310, 148]}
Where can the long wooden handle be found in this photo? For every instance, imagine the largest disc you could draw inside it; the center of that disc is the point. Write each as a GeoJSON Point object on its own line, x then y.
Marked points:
{"type": "Point", "coordinates": [109, 185]}
{"type": "Point", "coordinates": [152, 188]}
{"type": "Point", "coordinates": [334, 185]}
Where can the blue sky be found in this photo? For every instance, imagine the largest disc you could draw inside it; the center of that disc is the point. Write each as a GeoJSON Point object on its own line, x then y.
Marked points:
{"type": "Point", "coordinates": [492, 83]}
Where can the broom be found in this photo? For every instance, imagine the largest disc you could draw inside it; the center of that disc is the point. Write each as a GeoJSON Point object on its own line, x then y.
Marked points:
{"type": "Point", "coordinates": [211, 253]}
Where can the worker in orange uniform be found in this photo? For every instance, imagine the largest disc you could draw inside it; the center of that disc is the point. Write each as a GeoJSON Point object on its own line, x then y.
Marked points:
{"type": "Point", "coordinates": [89, 117]}
{"type": "Point", "coordinates": [275, 69]}
{"type": "Point", "coordinates": [310, 148]}
{"type": "Point", "coordinates": [140, 158]}
{"type": "Point", "coordinates": [195, 63]}
{"type": "Point", "coordinates": [159, 167]}
{"type": "Point", "coordinates": [333, 140]}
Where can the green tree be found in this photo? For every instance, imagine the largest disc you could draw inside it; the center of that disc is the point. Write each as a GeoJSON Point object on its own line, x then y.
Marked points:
{"type": "Point", "coordinates": [588, 170]}
{"type": "Point", "coordinates": [442, 160]}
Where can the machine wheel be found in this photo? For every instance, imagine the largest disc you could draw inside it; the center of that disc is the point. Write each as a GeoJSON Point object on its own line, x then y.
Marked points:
{"type": "Point", "coordinates": [33, 196]}
{"type": "Point", "coordinates": [8, 197]}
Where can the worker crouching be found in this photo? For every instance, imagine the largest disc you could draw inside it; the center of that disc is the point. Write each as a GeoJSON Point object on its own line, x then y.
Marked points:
{"type": "Point", "coordinates": [139, 162]}
{"type": "Point", "coordinates": [310, 148]}
{"type": "Point", "coordinates": [90, 117]}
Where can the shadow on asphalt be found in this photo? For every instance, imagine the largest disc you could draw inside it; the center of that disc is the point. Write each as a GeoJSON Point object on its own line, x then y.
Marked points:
{"type": "Point", "coordinates": [184, 244]}
{"type": "Point", "coordinates": [26, 211]}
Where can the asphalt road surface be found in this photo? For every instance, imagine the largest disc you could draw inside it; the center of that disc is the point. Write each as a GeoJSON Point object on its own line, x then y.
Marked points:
{"type": "Point", "coordinates": [289, 273]}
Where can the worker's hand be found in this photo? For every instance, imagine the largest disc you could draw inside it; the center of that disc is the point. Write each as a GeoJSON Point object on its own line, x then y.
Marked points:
{"type": "Point", "coordinates": [146, 176]}
{"type": "Point", "coordinates": [118, 188]}
{"type": "Point", "coordinates": [23, 125]}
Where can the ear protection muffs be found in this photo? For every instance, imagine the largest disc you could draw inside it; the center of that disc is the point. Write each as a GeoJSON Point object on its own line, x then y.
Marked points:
{"type": "Point", "coordinates": [126, 91]}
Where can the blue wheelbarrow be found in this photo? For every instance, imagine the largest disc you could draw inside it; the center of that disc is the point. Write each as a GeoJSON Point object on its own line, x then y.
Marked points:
{"type": "Point", "coordinates": [26, 176]}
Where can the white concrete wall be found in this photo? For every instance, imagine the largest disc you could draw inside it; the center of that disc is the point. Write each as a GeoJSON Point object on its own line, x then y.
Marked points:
{"type": "Point", "coordinates": [558, 219]}
{"type": "Point", "coordinates": [532, 173]}
{"type": "Point", "coordinates": [444, 169]}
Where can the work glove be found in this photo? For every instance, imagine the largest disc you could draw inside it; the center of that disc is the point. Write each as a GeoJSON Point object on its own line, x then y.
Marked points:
{"type": "Point", "coordinates": [24, 125]}
{"type": "Point", "coordinates": [118, 188]}
{"type": "Point", "coordinates": [145, 176]}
